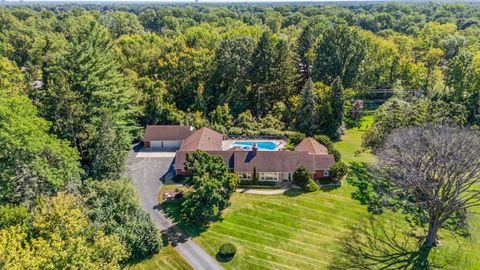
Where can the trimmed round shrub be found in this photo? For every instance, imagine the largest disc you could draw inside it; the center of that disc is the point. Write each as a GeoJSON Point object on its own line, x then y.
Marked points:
{"type": "Point", "coordinates": [338, 170]}
{"type": "Point", "coordinates": [227, 251]}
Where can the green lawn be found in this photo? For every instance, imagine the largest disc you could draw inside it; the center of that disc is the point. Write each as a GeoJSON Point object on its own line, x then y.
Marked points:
{"type": "Point", "coordinates": [351, 142]}
{"type": "Point", "coordinates": [311, 230]}
{"type": "Point", "coordinates": [166, 259]}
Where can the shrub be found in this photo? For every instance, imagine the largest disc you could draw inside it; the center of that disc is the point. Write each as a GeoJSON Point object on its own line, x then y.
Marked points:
{"type": "Point", "coordinates": [338, 170]}
{"type": "Point", "coordinates": [301, 176]}
{"type": "Point", "coordinates": [260, 183]}
{"type": "Point", "coordinates": [227, 251]}
{"type": "Point", "coordinates": [294, 137]}
{"type": "Point", "coordinates": [325, 140]}
{"type": "Point", "coordinates": [311, 186]}
{"type": "Point", "coordinates": [254, 176]}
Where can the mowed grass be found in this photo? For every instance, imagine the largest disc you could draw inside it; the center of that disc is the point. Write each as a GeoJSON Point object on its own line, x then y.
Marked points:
{"type": "Point", "coordinates": [350, 144]}
{"type": "Point", "coordinates": [166, 259]}
{"type": "Point", "coordinates": [308, 230]}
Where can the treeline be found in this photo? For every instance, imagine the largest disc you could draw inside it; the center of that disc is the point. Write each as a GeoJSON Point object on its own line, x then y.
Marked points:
{"type": "Point", "coordinates": [208, 65]}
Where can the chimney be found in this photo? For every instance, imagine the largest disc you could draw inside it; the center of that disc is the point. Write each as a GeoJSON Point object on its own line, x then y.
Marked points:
{"type": "Point", "coordinates": [254, 149]}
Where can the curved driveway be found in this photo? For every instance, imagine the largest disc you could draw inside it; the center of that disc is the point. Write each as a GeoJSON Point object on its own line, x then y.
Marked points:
{"type": "Point", "coordinates": [147, 174]}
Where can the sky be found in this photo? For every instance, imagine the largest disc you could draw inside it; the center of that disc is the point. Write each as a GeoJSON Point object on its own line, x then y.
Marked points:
{"type": "Point", "coordinates": [200, 1]}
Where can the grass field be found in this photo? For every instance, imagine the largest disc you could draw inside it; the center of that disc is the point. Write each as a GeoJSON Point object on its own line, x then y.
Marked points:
{"type": "Point", "coordinates": [166, 259]}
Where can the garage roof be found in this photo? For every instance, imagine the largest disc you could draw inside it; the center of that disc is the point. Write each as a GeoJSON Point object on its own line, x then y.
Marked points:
{"type": "Point", "coordinates": [167, 132]}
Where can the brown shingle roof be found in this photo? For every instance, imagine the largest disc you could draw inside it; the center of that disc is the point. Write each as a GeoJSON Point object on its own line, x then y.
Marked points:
{"type": "Point", "coordinates": [280, 161]}
{"type": "Point", "coordinates": [167, 132]}
{"type": "Point", "coordinates": [203, 139]}
{"type": "Point", "coordinates": [311, 146]}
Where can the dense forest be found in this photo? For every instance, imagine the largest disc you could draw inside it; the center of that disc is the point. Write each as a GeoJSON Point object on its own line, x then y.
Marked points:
{"type": "Point", "coordinates": [79, 82]}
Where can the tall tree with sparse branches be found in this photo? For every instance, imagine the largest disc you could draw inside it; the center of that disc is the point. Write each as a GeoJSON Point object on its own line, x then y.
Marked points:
{"type": "Point", "coordinates": [435, 171]}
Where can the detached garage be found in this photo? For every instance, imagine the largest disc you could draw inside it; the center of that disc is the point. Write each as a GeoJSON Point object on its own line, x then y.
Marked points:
{"type": "Point", "coordinates": [166, 136]}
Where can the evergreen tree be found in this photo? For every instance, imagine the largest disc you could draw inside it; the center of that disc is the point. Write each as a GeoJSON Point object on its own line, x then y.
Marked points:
{"type": "Point", "coordinates": [306, 114]}
{"type": "Point", "coordinates": [255, 176]}
{"type": "Point", "coordinates": [269, 74]}
{"type": "Point", "coordinates": [303, 58]}
{"type": "Point", "coordinates": [259, 72]}
{"type": "Point", "coordinates": [86, 85]}
{"type": "Point", "coordinates": [337, 103]}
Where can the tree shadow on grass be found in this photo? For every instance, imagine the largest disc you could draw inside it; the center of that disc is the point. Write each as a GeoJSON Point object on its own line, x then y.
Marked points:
{"type": "Point", "coordinates": [181, 230]}
{"type": "Point", "coordinates": [294, 192]}
{"type": "Point", "coordinates": [372, 244]}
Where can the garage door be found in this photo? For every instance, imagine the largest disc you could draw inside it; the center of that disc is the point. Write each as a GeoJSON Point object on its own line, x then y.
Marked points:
{"type": "Point", "coordinates": [156, 144]}
{"type": "Point", "coordinates": [172, 144]}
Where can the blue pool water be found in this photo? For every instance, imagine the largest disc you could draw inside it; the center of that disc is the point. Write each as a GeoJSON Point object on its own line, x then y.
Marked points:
{"type": "Point", "coordinates": [262, 146]}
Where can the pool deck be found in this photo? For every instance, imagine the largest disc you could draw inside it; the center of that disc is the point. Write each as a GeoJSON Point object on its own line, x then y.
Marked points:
{"type": "Point", "coordinates": [227, 144]}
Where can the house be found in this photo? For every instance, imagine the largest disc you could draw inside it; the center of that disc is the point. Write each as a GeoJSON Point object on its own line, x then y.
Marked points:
{"type": "Point", "coordinates": [275, 166]}
{"type": "Point", "coordinates": [166, 136]}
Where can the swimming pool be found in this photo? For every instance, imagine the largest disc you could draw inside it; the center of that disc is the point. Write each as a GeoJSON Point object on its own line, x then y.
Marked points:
{"type": "Point", "coordinates": [262, 145]}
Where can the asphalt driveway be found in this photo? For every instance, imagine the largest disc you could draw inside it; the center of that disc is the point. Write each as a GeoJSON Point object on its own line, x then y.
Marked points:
{"type": "Point", "coordinates": [148, 175]}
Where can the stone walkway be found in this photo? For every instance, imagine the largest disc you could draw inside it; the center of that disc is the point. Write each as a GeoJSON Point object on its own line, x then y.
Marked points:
{"type": "Point", "coordinates": [259, 191]}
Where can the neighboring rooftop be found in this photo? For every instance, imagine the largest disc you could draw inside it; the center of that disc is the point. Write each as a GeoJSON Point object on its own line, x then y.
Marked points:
{"type": "Point", "coordinates": [203, 139]}
{"type": "Point", "coordinates": [167, 132]}
{"type": "Point", "coordinates": [311, 146]}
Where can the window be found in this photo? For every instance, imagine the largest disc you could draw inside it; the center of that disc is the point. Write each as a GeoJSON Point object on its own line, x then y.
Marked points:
{"type": "Point", "coordinates": [326, 173]}
{"type": "Point", "coordinates": [268, 176]}
{"type": "Point", "coordinates": [245, 176]}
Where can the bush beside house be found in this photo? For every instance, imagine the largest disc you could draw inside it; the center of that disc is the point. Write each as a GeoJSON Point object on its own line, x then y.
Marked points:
{"type": "Point", "coordinates": [338, 170]}
{"type": "Point", "coordinates": [303, 178]}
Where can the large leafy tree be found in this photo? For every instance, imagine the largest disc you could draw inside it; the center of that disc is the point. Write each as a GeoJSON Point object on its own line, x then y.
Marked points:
{"type": "Point", "coordinates": [58, 235]}
{"type": "Point", "coordinates": [397, 113]}
{"type": "Point", "coordinates": [32, 161]}
{"type": "Point", "coordinates": [211, 187]}
{"type": "Point", "coordinates": [114, 208]}
{"type": "Point", "coordinates": [339, 54]}
{"type": "Point", "coordinates": [229, 80]}
{"type": "Point", "coordinates": [81, 90]}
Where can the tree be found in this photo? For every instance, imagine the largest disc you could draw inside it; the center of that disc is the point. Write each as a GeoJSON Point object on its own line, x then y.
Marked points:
{"type": "Point", "coordinates": [229, 80]}
{"type": "Point", "coordinates": [211, 187]}
{"type": "Point", "coordinates": [59, 237]}
{"type": "Point", "coordinates": [435, 170]}
{"type": "Point", "coordinates": [269, 73]}
{"type": "Point", "coordinates": [303, 58]}
{"type": "Point", "coordinates": [339, 54]}
{"type": "Point", "coordinates": [397, 113]}
{"type": "Point", "coordinates": [306, 120]}
{"type": "Point", "coordinates": [337, 103]}
{"type": "Point", "coordinates": [113, 207]}
{"type": "Point", "coordinates": [254, 176]}
{"type": "Point", "coordinates": [338, 170]}
{"type": "Point", "coordinates": [108, 157]}
{"type": "Point", "coordinates": [327, 142]}
{"type": "Point", "coordinates": [83, 87]}
{"type": "Point", "coordinates": [121, 23]}
{"type": "Point", "coordinates": [303, 178]}
{"type": "Point", "coordinates": [32, 161]}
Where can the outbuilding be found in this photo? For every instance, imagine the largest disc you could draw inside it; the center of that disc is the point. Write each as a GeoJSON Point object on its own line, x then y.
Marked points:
{"type": "Point", "coordinates": [166, 136]}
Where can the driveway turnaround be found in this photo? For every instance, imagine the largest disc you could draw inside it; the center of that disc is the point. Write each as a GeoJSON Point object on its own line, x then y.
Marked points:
{"type": "Point", "coordinates": [147, 174]}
